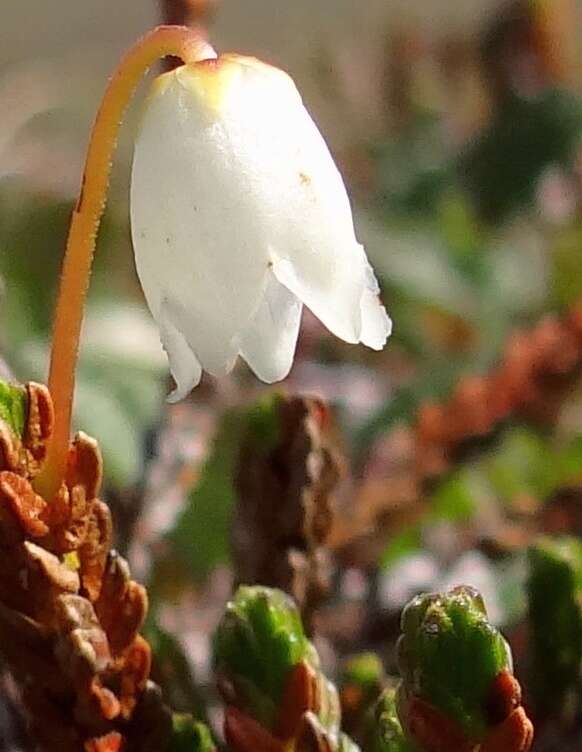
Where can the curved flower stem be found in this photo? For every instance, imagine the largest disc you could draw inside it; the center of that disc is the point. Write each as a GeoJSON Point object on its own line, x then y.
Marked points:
{"type": "Point", "coordinates": [190, 46]}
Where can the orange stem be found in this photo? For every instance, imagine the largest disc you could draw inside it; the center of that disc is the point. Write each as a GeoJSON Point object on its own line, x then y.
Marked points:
{"type": "Point", "coordinates": [179, 41]}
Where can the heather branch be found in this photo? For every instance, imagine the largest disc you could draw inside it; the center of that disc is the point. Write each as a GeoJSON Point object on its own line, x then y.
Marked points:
{"type": "Point", "coordinates": [536, 374]}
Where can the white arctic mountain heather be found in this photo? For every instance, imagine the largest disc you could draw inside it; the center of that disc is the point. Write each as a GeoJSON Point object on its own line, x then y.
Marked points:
{"type": "Point", "coordinates": [239, 217]}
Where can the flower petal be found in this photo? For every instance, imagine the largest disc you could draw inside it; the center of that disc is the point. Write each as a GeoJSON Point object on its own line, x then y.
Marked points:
{"type": "Point", "coordinates": [184, 365]}
{"type": "Point", "coordinates": [195, 226]}
{"type": "Point", "coordinates": [213, 346]}
{"type": "Point", "coordinates": [230, 177]}
{"type": "Point", "coordinates": [268, 344]}
{"type": "Point", "coordinates": [376, 324]}
{"type": "Point", "coordinates": [302, 201]}
{"type": "Point", "coordinates": [338, 309]}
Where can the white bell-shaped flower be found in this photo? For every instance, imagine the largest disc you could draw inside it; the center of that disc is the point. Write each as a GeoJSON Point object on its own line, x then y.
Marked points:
{"type": "Point", "coordinates": [239, 216]}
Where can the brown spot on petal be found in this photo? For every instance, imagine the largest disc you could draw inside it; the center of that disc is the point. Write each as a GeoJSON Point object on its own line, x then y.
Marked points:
{"type": "Point", "coordinates": [304, 179]}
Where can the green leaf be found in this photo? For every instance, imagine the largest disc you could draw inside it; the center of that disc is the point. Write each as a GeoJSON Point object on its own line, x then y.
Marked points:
{"type": "Point", "coordinates": [13, 406]}
{"type": "Point", "coordinates": [258, 641]}
{"type": "Point", "coordinates": [449, 654]}
{"type": "Point", "coordinates": [385, 733]}
{"type": "Point", "coordinates": [555, 608]}
{"type": "Point", "coordinates": [189, 735]}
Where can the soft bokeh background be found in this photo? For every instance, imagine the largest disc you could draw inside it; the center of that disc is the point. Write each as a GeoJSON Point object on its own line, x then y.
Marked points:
{"type": "Point", "coordinates": [457, 128]}
{"type": "Point", "coordinates": [398, 91]}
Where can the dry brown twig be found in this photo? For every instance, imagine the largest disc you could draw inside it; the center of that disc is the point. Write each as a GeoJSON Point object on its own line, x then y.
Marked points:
{"type": "Point", "coordinates": [70, 613]}
{"type": "Point", "coordinates": [285, 503]}
{"type": "Point", "coordinates": [533, 380]}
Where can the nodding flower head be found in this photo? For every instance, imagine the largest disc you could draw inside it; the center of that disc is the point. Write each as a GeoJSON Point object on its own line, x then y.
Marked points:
{"type": "Point", "coordinates": [239, 217]}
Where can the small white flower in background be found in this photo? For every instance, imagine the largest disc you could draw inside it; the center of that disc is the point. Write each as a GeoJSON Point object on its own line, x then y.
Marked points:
{"type": "Point", "coordinates": [239, 216]}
